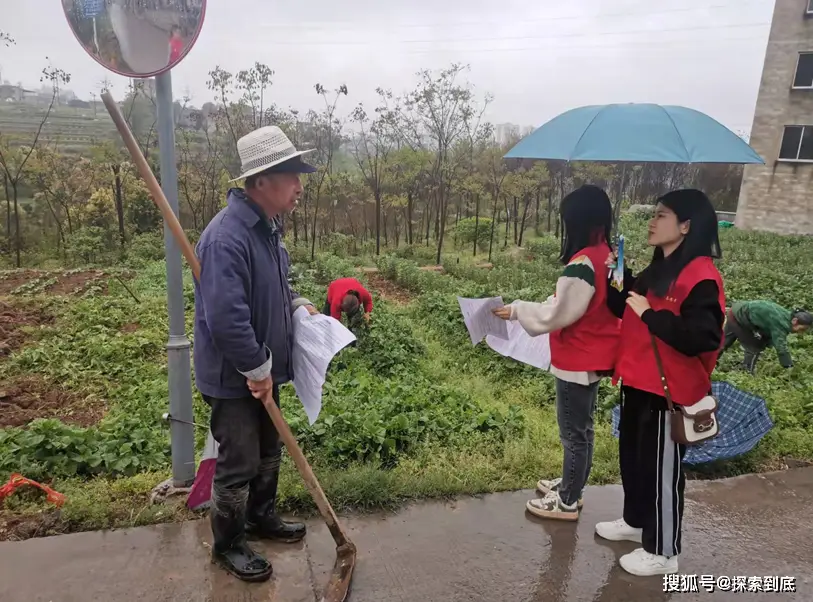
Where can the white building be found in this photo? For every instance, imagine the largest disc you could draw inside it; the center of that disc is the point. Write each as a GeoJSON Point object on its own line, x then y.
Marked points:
{"type": "Point", "coordinates": [506, 132]}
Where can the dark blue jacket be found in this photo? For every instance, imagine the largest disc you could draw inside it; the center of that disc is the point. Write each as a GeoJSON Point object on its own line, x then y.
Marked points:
{"type": "Point", "coordinates": [243, 302]}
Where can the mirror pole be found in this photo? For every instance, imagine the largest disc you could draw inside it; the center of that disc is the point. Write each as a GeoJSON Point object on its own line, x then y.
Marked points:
{"type": "Point", "coordinates": [180, 380]}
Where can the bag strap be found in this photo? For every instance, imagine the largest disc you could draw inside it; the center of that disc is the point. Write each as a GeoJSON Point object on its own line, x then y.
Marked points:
{"type": "Point", "coordinates": [658, 361]}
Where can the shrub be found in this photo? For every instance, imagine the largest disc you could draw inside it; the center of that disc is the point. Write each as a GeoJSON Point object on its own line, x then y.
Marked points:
{"type": "Point", "coordinates": [465, 232]}
{"type": "Point", "coordinates": [338, 244]}
{"type": "Point", "coordinates": [88, 244]}
{"type": "Point", "coordinates": [145, 248]}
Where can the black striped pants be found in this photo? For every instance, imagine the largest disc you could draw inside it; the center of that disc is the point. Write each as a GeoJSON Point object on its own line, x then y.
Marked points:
{"type": "Point", "coordinates": [651, 471]}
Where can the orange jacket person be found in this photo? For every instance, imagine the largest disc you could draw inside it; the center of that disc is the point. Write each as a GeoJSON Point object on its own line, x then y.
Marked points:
{"type": "Point", "coordinates": [347, 295]}
{"type": "Point", "coordinates": [176, 45]}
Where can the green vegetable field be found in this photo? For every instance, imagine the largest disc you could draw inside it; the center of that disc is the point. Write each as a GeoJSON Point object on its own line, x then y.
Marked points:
{"type": "Point", "coordinates": [413, 411]}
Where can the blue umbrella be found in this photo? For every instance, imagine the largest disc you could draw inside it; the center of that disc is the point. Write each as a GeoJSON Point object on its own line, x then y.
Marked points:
{"type": "Point", "coordinates": [744, 420]}
{"type": "Point", "coordinates": [640, 133]}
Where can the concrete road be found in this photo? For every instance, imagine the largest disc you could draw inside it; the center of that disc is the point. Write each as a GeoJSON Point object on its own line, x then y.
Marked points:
{"type": "Point", "coordinates": [474, 549]}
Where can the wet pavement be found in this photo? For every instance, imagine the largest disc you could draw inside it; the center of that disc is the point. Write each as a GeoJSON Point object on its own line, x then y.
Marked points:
{"type": "Point", "coordinates": [473, 549]}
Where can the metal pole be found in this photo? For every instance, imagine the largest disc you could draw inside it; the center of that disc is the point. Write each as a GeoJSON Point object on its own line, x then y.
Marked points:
{"type": "Point", "coordinates": [180, 381]}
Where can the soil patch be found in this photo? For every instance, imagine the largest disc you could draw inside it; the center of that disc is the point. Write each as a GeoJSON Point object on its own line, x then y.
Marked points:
{"type": "Point", "coordinates": [29, 397]}
{"type": "Point", "coordinates": [14, 527]}
{"type": "Point", "coordinates": [78, 283]}
{"type": "Point", "coordinates": [12, 279]}
{"type": "Point", "coordinates": [119, 511]}
{"type": "Point", "coordinates": [388, 290]}
{"type": "Point", "coordinates": [13, 318]}
{"type": "Point", "coordinates": [53, 283]}
{"type": "Point", "coordinates": [131, 327]}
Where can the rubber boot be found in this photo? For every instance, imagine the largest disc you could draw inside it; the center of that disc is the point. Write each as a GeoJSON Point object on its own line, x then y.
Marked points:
{"type": "Point", "coordinates": [230, 549]}
{"type": "Point", "coordinates": [262, 520]}
{"type": "Point", "coordinates": [749, 362]}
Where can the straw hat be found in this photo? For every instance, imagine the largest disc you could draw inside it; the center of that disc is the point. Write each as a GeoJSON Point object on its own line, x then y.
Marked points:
{"type": "Point", "coordinates": [267, 147]}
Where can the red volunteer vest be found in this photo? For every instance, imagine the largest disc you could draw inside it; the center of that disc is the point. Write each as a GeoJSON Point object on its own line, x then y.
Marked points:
{"type": "Point", "coordinates": [689, 378]}
{"type": "Point", "coordinates": [591, 343]}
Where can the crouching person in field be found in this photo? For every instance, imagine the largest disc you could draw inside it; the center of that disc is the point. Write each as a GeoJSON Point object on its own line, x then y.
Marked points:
{"type": "Point", "coordinates": [584, 338]}
{"type": "Point", "coordinates": [758, 325]}
{"type": "Point", "coordinates": [243, 347]}
{"type": "Point", "coordinates": [349, 297]}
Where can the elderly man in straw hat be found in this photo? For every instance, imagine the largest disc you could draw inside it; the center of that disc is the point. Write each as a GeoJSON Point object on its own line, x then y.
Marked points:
{"type": "Point", "coordinates": [243, 346]}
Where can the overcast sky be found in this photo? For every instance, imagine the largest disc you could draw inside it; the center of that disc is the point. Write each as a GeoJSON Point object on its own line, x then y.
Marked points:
{"type": "Point", "coordinates": [537, 58]}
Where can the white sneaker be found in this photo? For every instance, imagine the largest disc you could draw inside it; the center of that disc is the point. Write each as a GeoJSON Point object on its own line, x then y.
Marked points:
{"type": "Point", "coordinates": [643, 564]}
{"type": "Point", "coordinates": [618, 530]}
{"type": "Point", "coordinates": [545, 486]}
{"type": "Point", "coordinates": [551, 506]}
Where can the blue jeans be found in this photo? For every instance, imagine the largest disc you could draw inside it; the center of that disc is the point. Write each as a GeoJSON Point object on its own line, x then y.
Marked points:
{"type": "Point", "coordinates": [575, 406]}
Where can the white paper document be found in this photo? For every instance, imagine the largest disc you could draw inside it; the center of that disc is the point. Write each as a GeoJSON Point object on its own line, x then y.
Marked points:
{"type": "Point", "coordinates": [317, 340]}
{"type": "Point", "coordinates": [479, 320]}
{"type": "Point", "coordinates": [522, 347]}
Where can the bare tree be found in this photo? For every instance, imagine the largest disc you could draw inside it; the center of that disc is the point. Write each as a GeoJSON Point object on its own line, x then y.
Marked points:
{"type": "Point", "coordinates": [139, 109]}
{"type": "Point", "coordinates": [241, 107]}
{"type": "Point", "coordinates": [371, 149]}
{"type": "Point", "coordinates": [434, 115]}
{"type": "Point", "coordinates": [253, 82]}
{"type": "Point", "coordinates": [13, 161]}
{"type": "Point", "coordinates": [104, 85]}
{"type": "Point", "coordinates": [408, 172]}
{"type": "Point", "coordinates": [199, 175]}
{"type": "Point", "coordinates": [140, 113]}
{"type": "Point", "coordinates": [63, 182]}
{"type": "Point", "coordinates": [496, 172]}
{"type": "Point", "coordinates": [7, 40]}
{"type": "Point", "coordinates": [328, 132]}
{"type": "Point", "coordinates": [478, 134]}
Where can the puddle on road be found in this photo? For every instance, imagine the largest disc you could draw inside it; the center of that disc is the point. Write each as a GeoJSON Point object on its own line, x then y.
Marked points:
{"type": "Point", "coordinates": [291, 581]}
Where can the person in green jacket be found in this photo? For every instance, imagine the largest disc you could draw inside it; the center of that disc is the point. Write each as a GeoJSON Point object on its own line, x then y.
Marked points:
{"type": "Point", "coordinates": [758, 325]}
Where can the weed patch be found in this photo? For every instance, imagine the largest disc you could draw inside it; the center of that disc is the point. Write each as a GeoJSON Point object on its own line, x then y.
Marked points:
{"type": "Point", "coordinates": [413, 410]}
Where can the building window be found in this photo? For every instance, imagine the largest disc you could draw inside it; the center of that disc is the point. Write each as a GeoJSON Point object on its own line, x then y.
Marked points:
{"type": "Point", "coordinates": [804, 71]}
{"type": "Point", "coordinates": [797, 143]}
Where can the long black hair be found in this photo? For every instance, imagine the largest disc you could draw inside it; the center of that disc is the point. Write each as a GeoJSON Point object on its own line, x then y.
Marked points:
{"type": "Point", "coordinates": [702, 240]}
{"type": "Point", "coordinates": [587, 219]}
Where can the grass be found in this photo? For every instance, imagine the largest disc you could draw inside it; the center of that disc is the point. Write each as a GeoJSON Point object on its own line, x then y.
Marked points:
{"type": "Point", "coordinates": [415, 411]}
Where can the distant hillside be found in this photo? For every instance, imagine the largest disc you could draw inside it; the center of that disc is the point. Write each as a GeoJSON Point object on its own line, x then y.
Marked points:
{"type": "Point", "coordinates": [74, 128]}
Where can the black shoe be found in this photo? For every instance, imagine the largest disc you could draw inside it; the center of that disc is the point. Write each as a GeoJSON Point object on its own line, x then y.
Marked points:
{"type": "Point", "coordinates": [274, 528]}
{"type": "Point", "coordinates": [243, 562]}
{"type": "Point", "coordinates": [230, 550]}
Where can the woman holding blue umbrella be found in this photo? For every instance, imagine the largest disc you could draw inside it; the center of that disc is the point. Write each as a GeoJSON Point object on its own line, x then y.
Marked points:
{"type": "Point", "coordinates": [677, 304]}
